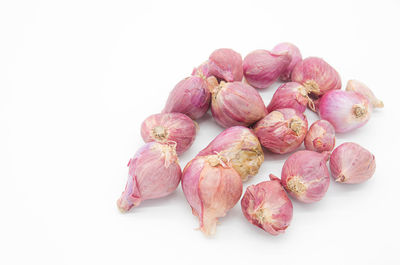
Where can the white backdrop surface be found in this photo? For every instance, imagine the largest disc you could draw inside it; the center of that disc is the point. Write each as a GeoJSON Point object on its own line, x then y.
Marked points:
{"type": "Point", "coordinates": [77, 78]}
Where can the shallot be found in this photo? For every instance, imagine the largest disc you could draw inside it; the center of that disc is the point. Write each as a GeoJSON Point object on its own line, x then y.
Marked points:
{"type": "Point", "coordinates": [226, 64]}
{"type": "Point", "coordinates": [170, 127]}
{"type": "Point", "coordinates": [261, 67]}
{"type": "Point", "coordinates": [317, 76]}
{"type": "Point", "coordinates": [350, 163]}
{"type": "Point", "coordinates": [320, 137]}
{"type": "Point", "coordinates": [212, 188]}
{"type": "Point", "coordinates": [267, 206]}
{"type": "Point", "coordinates": [236, 103]}
{"type": "Point", "coordinates": [295, 57]}
{"type": "Point", "coordinates": [282, 130]}
{"type": "Point", "coordinates": [154, 172]}
{"type": "Point", "coordinates": [241, 149]}
{"type": "Point", "coordinates": [361, 88]}
{"type": "Point", "coordinates": [191, 96]}
{"type": "Point", "coordinates": [305, 175]}
{"type": "Point", "coordinates": [345, 110]}
{"type": "Point", "coordinates": [289, 95]}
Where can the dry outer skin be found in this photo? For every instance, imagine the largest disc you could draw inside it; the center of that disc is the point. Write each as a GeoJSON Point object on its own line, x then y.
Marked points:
{"type": "Point", "coordinates": [240, 147]}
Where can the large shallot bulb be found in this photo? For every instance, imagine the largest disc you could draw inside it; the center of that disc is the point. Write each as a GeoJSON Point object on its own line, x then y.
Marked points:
{"type": "Point", "coordinates": [212, 188]}
{"type": "Point", "coordinates": [345, 110]}
{"type": "Point", "coordinates": [350, 163]}
{"type": "Point", "coordinates": [240, 147]}
{"type": "Point", "coordinates": [154, 172]}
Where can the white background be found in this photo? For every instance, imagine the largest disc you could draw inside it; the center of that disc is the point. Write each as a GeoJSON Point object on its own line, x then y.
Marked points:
{"type": "Point", "coordinates": [77, 78]}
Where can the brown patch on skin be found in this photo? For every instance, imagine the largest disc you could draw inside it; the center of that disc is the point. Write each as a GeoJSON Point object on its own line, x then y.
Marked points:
{"type": "Point", "coordinates": [303, 91]}
{"type": "Point", "coordinates": [296, 185]}
{"type": "Point", "coordinates": [216, 89]}
{"type": "Point", "coordinates": [215, 160]}
{"type": "Point", "coordinates": [262, 215]}
{"type": "Point", "coordinates": [160, 133]}
{"type": "Point", "coordinates": [295, 124]}
{"type": "Point", "coordinates": [341, 178]}
{"type": "Point", "coordinates": [359, 111]}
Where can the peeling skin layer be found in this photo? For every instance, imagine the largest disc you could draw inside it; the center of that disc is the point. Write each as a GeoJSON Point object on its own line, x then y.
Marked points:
{"type": "Point", "coordinates": [305, 175]}
{"type": "Point", "coordinates": [211, 189]}
{"type": "Point", "coordinates": [154, 172]}
{"type": "Point", "coordinates": [350, 163]}
{"type": "Point", "coordinates": [282, 130]}
{"type": "Point", "coordinates": [236, 104]}
{"type": "Point", "coordinates": [170, 127]}
{"type": "Point", "coordinates": [345, 110]}
{"type": "Point", "coordinates": [241, 149]}
{"type": "Point", "coordinates": [267, 206]}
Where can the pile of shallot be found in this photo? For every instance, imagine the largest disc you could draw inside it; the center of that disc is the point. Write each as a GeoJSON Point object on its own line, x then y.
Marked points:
{"type": "Point", "coordinates": [226, 84]}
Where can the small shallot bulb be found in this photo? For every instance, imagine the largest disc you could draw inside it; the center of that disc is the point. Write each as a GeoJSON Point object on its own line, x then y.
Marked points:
{"type": "Point", "coordinates": [345, 110]}
{"type": "Point", "coordinates": [290, 95]}
{"type": "Point", "coordinates": [350, 163]}
{"type": "Point", "coordinates": [170, 127]}
{"type": "Point", "coordinates": [305, 175]}
{"type": "Point", "coordinates": [212, 188]}
{"type": "Point", "coordinates": [236, 103]}
{"type": "Point", "coordinates": [261, 68]}
{"type": "Point", "coordinates": [361, 88]}
{"type": "Point", "coordinates": [154, 172]}
{"type": "Point", "coordinates": [282, 130]}
{"type": "Point", "coordinates": [295, 57]}
{"type": "Point", "coordinates": [317, 76]}
{"type": "Point", "coordinates": [226, 64]}
{"type": "Point", "coordinates": [240, 147]}
{"type": "Point", "coordinates": [267, 206]}
{"type": "Point", "coordinates": [320, 137]}
{"type": "Point", "coordinates": [191, 96]}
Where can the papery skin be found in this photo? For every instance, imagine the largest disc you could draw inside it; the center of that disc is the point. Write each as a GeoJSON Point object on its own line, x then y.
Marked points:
{"type": "Point", "coordinates": [267, 206]}
{"type": "Point", "coordinates": [350, 163]}
{"type": "Point", "coordinates": [236, 103]}
{"type": "Point", "coordinates": [289, 95]}
{"type": "Point", "coordinates": [345, 110]}
{"type": "Point", "coordinates": [226, 64]}
{"type": "Point", "coordinates": [320, 137]}
{"type": "Point", "coordinates": [191, 96]}
{"type": "Point", "coordinates": [282, 130]}
{"type": "Point", "coordinates": [154, 172]}
{"type": "Point", "coordinates": [170, 127]}
{"type": "Point", "coordinates": [361, 88]}
{"type": "Point", "coordinates": [212, 188]}
{"type": "Point", "coordinates": [261, 68]}
{"type": "Point", "coordinates": [316, 75]}
{"type": "Point", "coordinates": [295, 57]}
{"type": "Point", "coordinates": [240, 146]}
{"type": "Point", "coordinates": [305, 175]}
